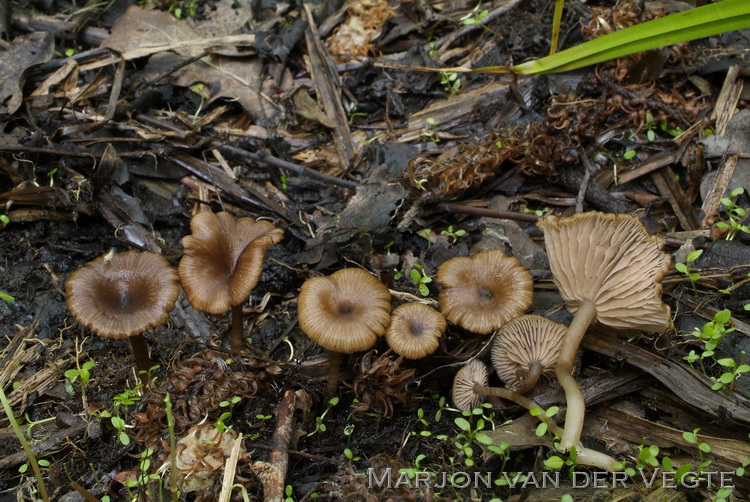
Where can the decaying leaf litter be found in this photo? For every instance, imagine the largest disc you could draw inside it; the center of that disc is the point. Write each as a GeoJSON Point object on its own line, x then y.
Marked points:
{"type": "Point", "coordinates": [120, 123]}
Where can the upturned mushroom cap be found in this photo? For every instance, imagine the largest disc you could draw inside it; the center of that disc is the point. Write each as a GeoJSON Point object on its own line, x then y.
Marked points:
{"type": "Point", "coordinates": [415, 330]}
{"type": "Point", "coordinates": [344, 312]}
{"type": "Point", "coordinates": [123, 294]}
{"type": "Point", "coordinates": [611, 260]}
{"type": "Point", "coordinates": [482, 292]}
{"type": "Point", "coordinates": [224, 259]}
{"type": "Point", "coordinates": [473, 374]}
{"type": "Point", "coordinates": [523, 341]}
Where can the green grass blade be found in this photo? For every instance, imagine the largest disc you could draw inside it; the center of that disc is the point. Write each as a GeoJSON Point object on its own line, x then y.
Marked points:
{"type": "Point", "coordinates": [556, 20]}
{"type": "Point", "coordinates": [721, 17]}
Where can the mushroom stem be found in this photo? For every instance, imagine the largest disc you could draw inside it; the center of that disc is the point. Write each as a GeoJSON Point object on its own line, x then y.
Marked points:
{"type": "Point", "coordinates": [576, 407]}
{"type": "Point", "coordinates": [333, 374]}
{"type": "Point", "coordinates": [584, 456]}
{"type": "Point", "coordinates": [238, 338]}
{"type": "Point", "coordinates": [142, 359]}
{"type": "Point", "coordinates": [530, 378]}
{"type": "Point", "coordinates": [520, 400]}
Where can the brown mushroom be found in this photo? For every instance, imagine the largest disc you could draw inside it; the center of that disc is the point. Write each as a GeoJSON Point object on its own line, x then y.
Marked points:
{"type": "Point", "coordinates": [345, 312]}
{"type": "Point", "coordinates": [415, 330]}
{"type": "Point", "coordinates": [222, 263]}
{"type": "Point", "coordinates": [607, 267]}
{"type": "Point", "coordinates": [470, 387]}
{"type": "Point", "coordinates": [526, 349]}
{"type": "Point", "coordinates": [121, 295]}
{"type": "Point", "coordinates": [482, 292]}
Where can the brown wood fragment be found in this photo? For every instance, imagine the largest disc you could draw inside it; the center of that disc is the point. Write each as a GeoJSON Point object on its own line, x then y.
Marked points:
{"type": "Point", "coordinates": [649, 165]}
{"type": "Point", "coordinates": [328, 87]}
{"type": "Point", "coordinates": [692, 387]}
{"type": "Point", "coordinates": [721, 183]}
{"type": "Point", "coordinates": [726, 454]}
{"type": "Point", "coordinates": [272, 473]}
{"type": "Point", "coordinates": [665, 181]}
{"type": "Point", "coordinates": [726, 103]}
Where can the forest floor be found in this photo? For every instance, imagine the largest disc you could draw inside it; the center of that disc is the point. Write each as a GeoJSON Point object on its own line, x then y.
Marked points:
{"type": "Point", "coordinates": [122, 121]}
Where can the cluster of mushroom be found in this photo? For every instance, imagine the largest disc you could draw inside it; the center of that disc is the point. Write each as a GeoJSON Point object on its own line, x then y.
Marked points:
{"type": "Point", "coordinates": [349, 310]}
{"type": "Point", "coordinates": [607, 267]}
{"type": "Point", "coordinates": [121, 295]}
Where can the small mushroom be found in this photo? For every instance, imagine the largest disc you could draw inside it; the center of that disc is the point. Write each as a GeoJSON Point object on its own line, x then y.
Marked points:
{"type": "Point", "coordinates": [470, 387]}
{"type": "Point", "coordinates": [607, 267]}
{"type": "Point", "coordinates": [526, 349]}
{"type": "Point", "coordinates": [222, 263]}
{"type": "Point", "coordinates": [345, 312]}
{"type": "Point", "coordinates": [482, 292]}
{"type": "Point", "coordinates": [121, 295]}
{"type": "Point", "coordinates": [415, 330]}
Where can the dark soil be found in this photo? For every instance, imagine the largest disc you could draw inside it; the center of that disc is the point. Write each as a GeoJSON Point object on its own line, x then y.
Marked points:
{"type": "Point", "coordinates": [428, 167]}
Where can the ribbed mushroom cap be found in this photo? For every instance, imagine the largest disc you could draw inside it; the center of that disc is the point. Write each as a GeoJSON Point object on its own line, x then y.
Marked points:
{"type": "Point", "coordinates": [611, 260]}
{"type": "Point", "coordinates": [224, 259]}
{"type": "Point", "coordinates": [415, 330]}
{"type": "Point", "coordinates": [344, 312]}
{"type": "Point", "coordinates": [473, 374]}
{"type": "Point", "coordinates": [123, 294]}
{"type": "Point", "coordinates": [482, 292]}
{"type": "Point", "coordinates": [523, 341]}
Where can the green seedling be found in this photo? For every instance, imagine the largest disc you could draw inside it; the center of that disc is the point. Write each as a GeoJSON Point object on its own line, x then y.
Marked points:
{"type": "Point", "coordinates": [430, 132]}
{"type": "Point", "coordinates": [44, 463]}
{"type": "Point", "coordinates": [418, 275]}
{"type": "Point", "coordinates": [703, 448]}
{"type": "Point", "coordinates": [30, 424]}
{"type": "Point", "coordinates": [629, 154]}
{"type": "Point", "coordinates": [283, 180]}
{"type": "Point", "coordinates": [735, 371]}
{"type": "Point", "coordinates": [683, 267]}
{"type": "Point", "coordinates": [476, 17]}
{"type": "Point", "coordinates": [226, 415]}
{"type": "Point", "coordinates": [352, 112]}
{"type": "Point", "coordinates": [320, 425]}
{"type": "Point", "coordinates": [735, 215]}
{"type": "Point", "coordinates": [201, 90]}
{"type": "Point", "coordinates": [550, 412]}
{"type": "Point", "coordinates": [288, 493]}
{"type": "Point", "coordinates": [453, 234]}
{"type": "Point", "coordinates": [711, 335]}
{"type": "Point", "coordinates": [6, 297]}
{"type": "Point", "coordinates": [450, 81]}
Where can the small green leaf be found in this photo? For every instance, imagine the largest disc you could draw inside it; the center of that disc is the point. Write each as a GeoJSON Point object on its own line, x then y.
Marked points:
{"type": "Point", "coordinates": [694, 255]}
{"type": "Point", "coordinates": [6, 296]}
{"type": "Point", "coordinates": [554, 463]}
{"type": "Point", "coordinates": [681, 267]}
{"type": "Point", "coordinates": [629, 154]}
{"type": "Point", "coordinates": [462, 423]}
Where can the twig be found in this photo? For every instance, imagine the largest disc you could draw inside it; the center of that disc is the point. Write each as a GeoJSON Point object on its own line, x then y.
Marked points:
{"type": "Point", "coordinates": [489, 213]}
{"type": "Point", "coordinates": [273, 473]}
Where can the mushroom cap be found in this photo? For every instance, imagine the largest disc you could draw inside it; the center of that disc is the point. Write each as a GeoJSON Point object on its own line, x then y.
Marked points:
{"type": "Point", "coordinates": [123, 294]}
{"type": "Point", "coordinates": [482, 292]}
{"type": "Point", "coordinates": [223, 259]}
{"type": "Point", "coordinates": [524, 340]}
{"type": "Point", "coordinates": [415, 330]}
{"type": "Point", "coordinates": [612, 261]}
{"type": "Point", "coordinates": [344, 312]}
{"type": "Point", "coordinates": [473, 374]}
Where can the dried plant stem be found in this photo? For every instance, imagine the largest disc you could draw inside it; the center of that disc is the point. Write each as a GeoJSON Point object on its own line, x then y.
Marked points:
{"type": "Point", "coordinates": [25, 445]}
{"type": "Point", "coordinates": [576, 407]}
{"type": "Point", "coordinates": [175, 488]}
